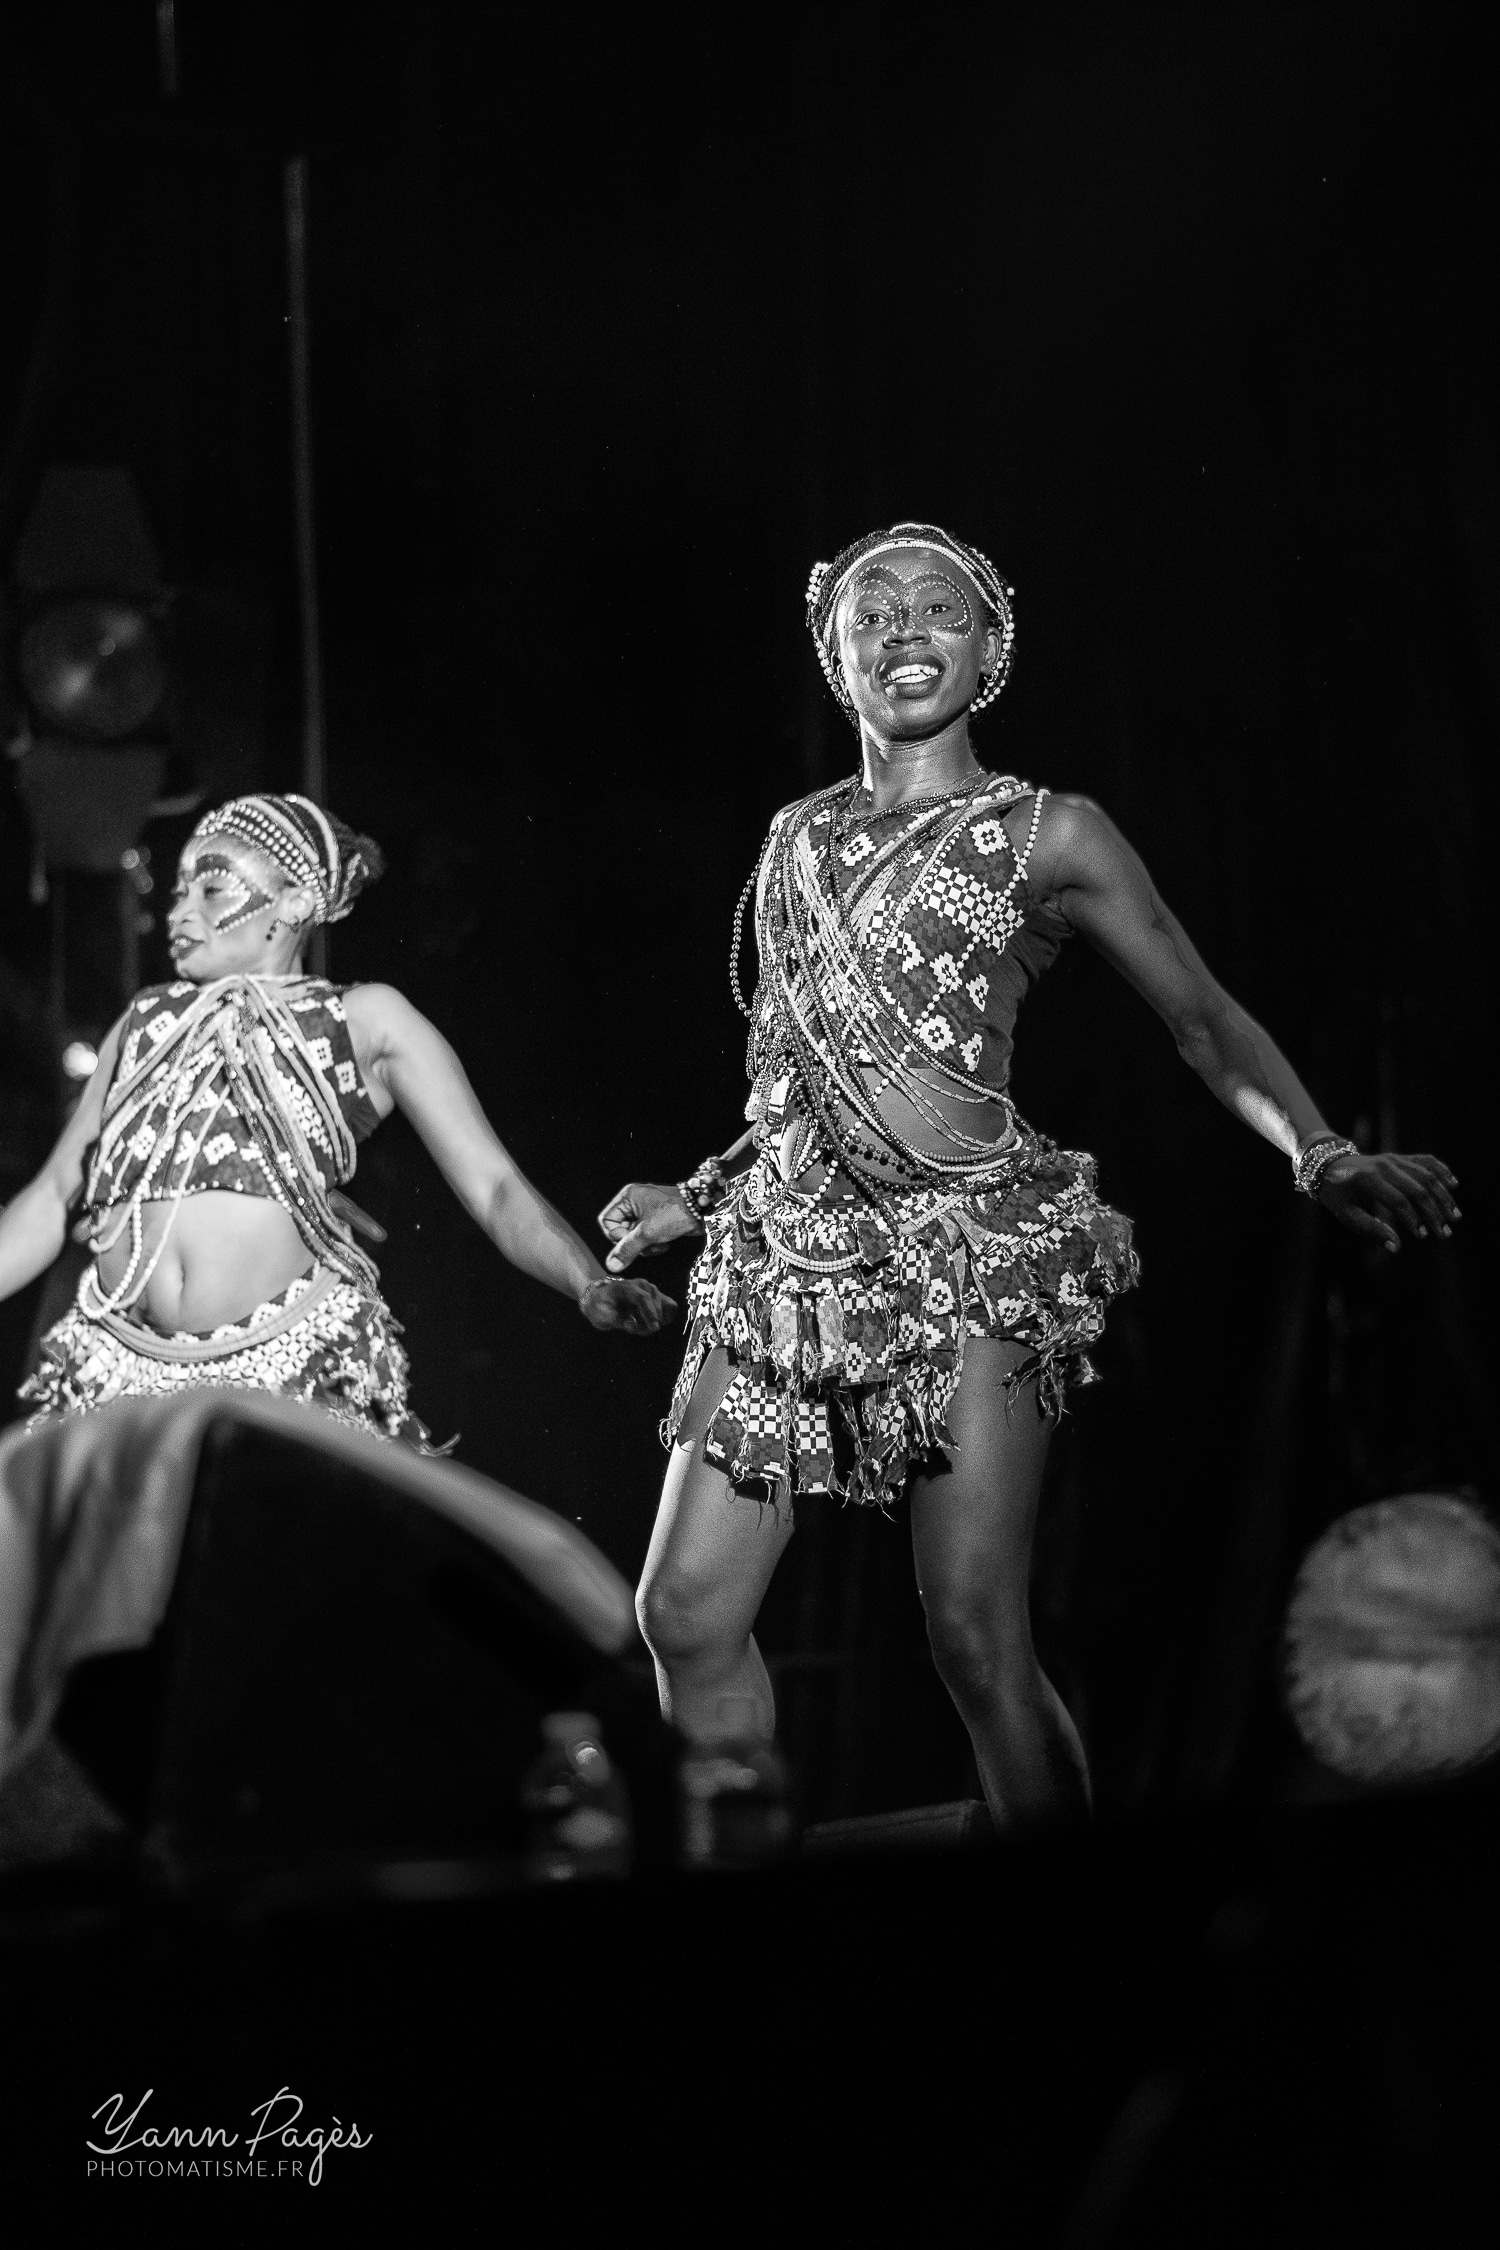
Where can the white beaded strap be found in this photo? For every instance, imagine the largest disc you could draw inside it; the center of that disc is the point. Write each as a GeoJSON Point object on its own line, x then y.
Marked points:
{"type": "Point", "coordinates": [1023, 857]}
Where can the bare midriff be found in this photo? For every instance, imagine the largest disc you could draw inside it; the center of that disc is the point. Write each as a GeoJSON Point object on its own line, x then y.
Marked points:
{"type": "Point", "coordinates": [979, 1121]}
{"type": "Point", "coordinates": [224, 1254]}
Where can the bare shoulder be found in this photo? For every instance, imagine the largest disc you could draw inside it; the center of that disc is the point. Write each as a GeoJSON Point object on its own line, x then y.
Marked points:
{"type": "Point", "coordinates": [1077, 843]}
{"type": "Point", "coordinates": [375, 1008]}
{"type": "Point", "coordinates": [382, 1025]}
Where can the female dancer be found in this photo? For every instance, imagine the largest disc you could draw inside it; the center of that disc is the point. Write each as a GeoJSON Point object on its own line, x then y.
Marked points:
{"type": "Point", "coordinates": [903, 1277]}
{"type": "Point", "coordinates": [213, 1139]}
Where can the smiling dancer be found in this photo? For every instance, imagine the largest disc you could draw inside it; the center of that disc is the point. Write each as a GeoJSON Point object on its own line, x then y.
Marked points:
{"type": "Point", "coordinates": [213, 1139]}
{"type": "Point", "coordinates": [903, 1277]}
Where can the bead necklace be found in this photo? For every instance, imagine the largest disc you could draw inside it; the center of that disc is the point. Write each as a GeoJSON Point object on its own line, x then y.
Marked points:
{"type": "Point", "coordinates": [828, 1041]}
{"type": "Point", "coordinates": [828, 1051]}
{"type": "Point", "coordinates": [910, 804]}
{"type": "Point", "coordinates": [853, 785]}
{"type": "Point", "coordinates": [823, 975]}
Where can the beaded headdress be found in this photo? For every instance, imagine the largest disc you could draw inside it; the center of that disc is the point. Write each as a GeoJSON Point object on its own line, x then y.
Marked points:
{"type": "Point", "coordinates": [298, 837]}
{"type": "Point", "coordinates": [829, 579]}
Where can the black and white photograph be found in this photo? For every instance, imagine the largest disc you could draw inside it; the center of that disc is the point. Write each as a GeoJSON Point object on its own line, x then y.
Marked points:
{"type": "Point", "coordinates": [749, 1461]}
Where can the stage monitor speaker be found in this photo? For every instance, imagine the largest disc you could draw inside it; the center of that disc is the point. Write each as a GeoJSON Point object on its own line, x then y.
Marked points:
{"type": "Point", "coordinates": [343, 1675]}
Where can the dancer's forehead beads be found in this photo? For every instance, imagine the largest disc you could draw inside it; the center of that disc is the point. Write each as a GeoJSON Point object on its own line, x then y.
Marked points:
{"type": "Point", "coordinates": [298, 837]}
{"type": "Point", "coordinates": [829, 579]}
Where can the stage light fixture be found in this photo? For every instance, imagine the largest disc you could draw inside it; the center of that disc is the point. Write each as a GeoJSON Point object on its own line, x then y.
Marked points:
{"type": "Point", "coordinates": [1391, 1648]}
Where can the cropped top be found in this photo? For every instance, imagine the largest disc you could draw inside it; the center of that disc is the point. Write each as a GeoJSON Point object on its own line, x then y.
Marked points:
{"type": "Point", "coordinates": [214, 1145]}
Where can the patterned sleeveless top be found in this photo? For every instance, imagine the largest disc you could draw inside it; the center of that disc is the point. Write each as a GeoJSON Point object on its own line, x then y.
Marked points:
{"type": "Point", "coordinates": [229, 1157]}
{"type": "Point", "coordinates": [950, 934]}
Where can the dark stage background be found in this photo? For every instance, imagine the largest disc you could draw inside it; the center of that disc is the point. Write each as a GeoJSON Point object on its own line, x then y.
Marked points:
{"type": "Point", "coordinates": [616, 325]}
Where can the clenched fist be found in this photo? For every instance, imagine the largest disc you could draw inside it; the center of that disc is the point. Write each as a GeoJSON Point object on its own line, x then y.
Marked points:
{"type": "Point", "coordinates": [641, 1220]}
{"type": "Point", "coordinates": [639, 1307]}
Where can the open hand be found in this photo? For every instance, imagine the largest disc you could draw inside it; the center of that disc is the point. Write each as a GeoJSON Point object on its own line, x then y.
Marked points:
{"type": "Point", "coordinates": [641, 1220]}
{"type": "Point", "coordinates": [1376, 1195]}
{"type": "Point", "coordinates": [639, 1307]}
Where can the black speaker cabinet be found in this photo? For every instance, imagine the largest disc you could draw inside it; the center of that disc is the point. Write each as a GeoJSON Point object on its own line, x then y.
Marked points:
{"type": "Point", "coordinates": [343, 1677]}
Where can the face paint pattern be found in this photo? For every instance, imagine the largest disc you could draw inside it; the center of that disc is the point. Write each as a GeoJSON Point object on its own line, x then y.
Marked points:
{"type": "Point", "coordinates": [243, 900]}
{"type": "Point", "coordinates": [903, 594]}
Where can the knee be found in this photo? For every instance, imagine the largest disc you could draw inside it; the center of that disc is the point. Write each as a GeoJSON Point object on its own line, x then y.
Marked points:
{"type": "Point", "coordinates": [674, 1617]}
{"type": "Point", "coordinates": [979, 1652]}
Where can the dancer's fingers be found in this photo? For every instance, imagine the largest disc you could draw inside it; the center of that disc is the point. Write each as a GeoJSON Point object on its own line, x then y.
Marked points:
{"type": "Point", "coordinates": [1426, 1192]}
{"type": "Point", "coordinates": [1395, 1199]}
{"type": "Point", "coordinates": [629, 1247]}
{"type": "Point", "coordinates": [1437, 1182]}
{"type": "Point", "coordinates": [1366, 1223]}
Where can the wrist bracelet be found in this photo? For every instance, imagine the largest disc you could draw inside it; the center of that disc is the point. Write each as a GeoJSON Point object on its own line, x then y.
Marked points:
{"type": "Point", "coordinates": [705, 1188]}
{"type": "Point", "coordinates": [1312, 1161]}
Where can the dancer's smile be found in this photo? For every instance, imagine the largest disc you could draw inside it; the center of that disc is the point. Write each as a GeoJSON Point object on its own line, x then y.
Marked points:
{"type": "Point", "coordinates": [910, 677]}
{"type": "Point", "coordinates": [912, 651]}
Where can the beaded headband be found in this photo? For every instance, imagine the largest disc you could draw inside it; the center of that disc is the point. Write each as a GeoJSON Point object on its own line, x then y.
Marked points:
{"type": "Point", "coordinates": [301, 843]}
{"type": "Point", "coordinates": [828, 581]}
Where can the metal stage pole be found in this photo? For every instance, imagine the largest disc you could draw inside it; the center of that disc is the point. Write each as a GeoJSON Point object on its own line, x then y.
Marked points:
{"type": "Point", "coordinates": [314, 757]}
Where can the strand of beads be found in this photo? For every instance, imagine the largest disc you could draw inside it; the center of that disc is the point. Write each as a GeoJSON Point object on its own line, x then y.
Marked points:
{"type": "Point", "coordinates": [936, 797]}
{"type": "Point", "coordinates": [825, 1047]}
{"type": "Point", "coordinates": [705, 1187]}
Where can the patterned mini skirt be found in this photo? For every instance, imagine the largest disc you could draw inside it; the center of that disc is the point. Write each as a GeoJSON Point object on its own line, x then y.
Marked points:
{"type": "Point", "coordinates": [844, 1315]}
{"type": "Point", "coordinates": [322, 1342]}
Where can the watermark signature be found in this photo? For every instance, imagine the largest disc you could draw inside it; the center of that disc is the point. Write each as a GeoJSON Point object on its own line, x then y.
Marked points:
{"type": "Point", "coordinates": [128, 2149]}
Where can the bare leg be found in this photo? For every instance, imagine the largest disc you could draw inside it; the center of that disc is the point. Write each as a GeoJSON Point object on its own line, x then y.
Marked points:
{"type": "Point", "coordinates": [972, 1524]}
{"type": "Point", "coordinates": [711, 1559]}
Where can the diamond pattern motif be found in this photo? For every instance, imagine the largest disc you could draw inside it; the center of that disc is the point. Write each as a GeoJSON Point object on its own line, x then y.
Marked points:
{"type": "Point", "coordinates": [229, 1159]}
{"type": "Point", "coordinates": [877, 1347]}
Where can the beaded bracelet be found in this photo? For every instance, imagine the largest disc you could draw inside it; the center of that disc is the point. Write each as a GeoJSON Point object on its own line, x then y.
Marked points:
{"type": "Point", "coordinates": [1312, 1161]}
{"type": "Point", "coordinates": [705, 1188]}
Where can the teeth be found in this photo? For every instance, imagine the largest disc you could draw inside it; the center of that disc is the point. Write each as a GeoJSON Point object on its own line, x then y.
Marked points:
{"type": "Point", "coordinates": [913, 672]}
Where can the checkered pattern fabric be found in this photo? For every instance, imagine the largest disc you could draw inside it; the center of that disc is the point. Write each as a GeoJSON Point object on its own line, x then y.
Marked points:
{"type": "Point", "coordinates": [343, 1357]}
{"type": "Point", "coordinates": [229, 1159]}
{"type": "Point", "coordinates": [875, 1348]}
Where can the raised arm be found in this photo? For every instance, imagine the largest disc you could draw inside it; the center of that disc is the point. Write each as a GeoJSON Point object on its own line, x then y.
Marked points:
{"type": "Point", "coordinates": [34, 1226]}
{"type": "Point", "coordinates": [409, 1065]}
{"type": "Point", "coordinates": [1102, 887]}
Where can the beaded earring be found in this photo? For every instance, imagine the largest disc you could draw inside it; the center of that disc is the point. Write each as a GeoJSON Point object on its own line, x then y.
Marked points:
{"type": "Point", "coordinates": [1000, 596]}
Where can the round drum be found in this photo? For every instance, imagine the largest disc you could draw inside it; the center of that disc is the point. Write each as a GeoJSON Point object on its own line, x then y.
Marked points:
{"type": "Point", "coordinates": [1391, 1655]}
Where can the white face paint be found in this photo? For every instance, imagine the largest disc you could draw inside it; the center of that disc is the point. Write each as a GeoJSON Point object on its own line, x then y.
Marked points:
{"type": "Point", "coordinates": [223, 909]}
{"type": "Point", "coordinates": [910, 640]}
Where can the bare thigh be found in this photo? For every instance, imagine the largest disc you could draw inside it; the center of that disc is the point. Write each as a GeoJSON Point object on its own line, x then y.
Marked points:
{"type": "Point", "coordinates": [713, 1551]}
{"type": "Point", "coordinates": [973, 1516]}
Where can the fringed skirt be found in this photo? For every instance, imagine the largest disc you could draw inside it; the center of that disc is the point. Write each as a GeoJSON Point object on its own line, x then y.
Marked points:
{"type": "Point", "coordinates": [845, 1320]}
{"type": "Point", "coordinates": [322, 1342]}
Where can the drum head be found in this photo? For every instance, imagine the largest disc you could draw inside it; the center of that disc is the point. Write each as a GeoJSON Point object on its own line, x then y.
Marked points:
{"type": "Point", "coordinates": [1391, 1654]}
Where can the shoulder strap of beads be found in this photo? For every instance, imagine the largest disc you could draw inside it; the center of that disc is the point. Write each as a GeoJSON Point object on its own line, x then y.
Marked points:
{"type": "Point", "coordinates": [1023, 856]}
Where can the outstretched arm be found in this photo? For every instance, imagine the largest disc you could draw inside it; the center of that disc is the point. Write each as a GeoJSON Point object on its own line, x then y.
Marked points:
{"type": "Point", "coordinates": [34, 1225]}
{"type": "Point", "coordinates": [1104, 890]}
{"type": "Point", "coordinates": [407, 1060]}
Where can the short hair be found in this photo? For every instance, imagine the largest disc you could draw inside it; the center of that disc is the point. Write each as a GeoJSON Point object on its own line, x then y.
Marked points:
{"type": "Point", "coordinates": [829, 579]}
